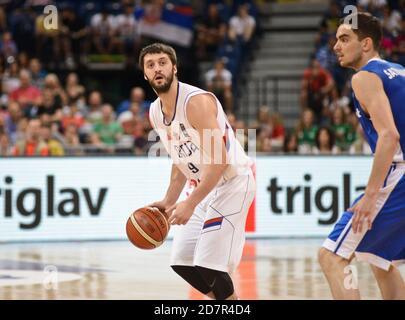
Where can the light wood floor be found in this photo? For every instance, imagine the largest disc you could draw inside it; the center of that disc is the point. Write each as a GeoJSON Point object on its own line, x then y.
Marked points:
{"type": "Point", "coordinates": [270, 269]}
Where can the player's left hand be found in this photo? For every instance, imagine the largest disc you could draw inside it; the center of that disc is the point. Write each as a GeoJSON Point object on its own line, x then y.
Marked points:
{"type": "Point", "coordinates": [362, 211]}
{"type": "Point", "coordinates": [180, 212]}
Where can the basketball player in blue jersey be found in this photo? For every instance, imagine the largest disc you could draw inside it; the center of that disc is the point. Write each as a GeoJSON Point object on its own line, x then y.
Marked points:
{"type": "Point", "coordinates": [373, 229]}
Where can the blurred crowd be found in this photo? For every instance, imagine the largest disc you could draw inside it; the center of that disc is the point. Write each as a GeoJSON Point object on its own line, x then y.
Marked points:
{"type": "Point", "coordinates": [47, 112]}
{"type": "Point", "coordinates": [328, 123]}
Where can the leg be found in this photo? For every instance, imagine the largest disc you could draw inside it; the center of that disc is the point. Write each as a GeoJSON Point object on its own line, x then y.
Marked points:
{"type": "Point", "coordinates": [220, 283]}
{"type": "Point", "coordinates": [183, 252]}
{"type": "Point", "coordinates": [194, 278]}
{"type": "Point", "coordinates": [390, 282]}
{"type": "Point", "coordinates": [334, 267]}
{"type": "Point", "coordinates": [220, 246]}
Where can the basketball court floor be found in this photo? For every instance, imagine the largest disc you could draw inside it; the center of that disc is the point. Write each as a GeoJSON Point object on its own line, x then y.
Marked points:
{"type": "Point", "coordinates": [270, 269]}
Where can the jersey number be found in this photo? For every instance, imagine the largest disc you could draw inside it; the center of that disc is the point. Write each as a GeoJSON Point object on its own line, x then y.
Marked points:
{"type": "Point", "coordinates": [193, 168]}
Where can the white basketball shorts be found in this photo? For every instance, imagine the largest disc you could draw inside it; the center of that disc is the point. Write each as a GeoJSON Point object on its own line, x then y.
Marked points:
{"type": "Point", "coordinates": [214, 236]}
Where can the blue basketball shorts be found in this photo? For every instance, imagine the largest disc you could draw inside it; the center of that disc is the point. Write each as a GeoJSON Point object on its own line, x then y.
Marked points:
{"type": "Point", "coordinates": [384, 244]}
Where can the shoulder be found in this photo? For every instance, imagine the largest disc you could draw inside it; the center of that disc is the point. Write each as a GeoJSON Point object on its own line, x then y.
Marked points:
{"type": "Point", "coordinates": [201, 105]}
{"type": "Point", "coordinates": [202, 99]}
{"type": "Point", "coordinates": [201, 110]}
{"type": "Point", "coordinates": [364, 78]}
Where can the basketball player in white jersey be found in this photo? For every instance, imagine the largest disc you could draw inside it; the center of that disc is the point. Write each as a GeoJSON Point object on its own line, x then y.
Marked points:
{"type": "Point", "coordinates": [195, 132]}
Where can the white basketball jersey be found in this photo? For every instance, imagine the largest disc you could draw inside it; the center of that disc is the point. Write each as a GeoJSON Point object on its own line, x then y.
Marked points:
{"type": "Point", "coordinates": [182, 141]}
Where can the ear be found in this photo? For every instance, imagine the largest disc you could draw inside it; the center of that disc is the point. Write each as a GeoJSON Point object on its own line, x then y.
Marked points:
{"type": "Point", "coordinates": [368, 44]}
{"type": "Point", "coordinates": [175, 70]}
{"type": "Point", "coordinates": [144, 76]}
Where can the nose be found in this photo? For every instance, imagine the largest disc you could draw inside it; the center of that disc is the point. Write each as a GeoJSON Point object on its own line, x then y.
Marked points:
{"type": "Point", "coordinates": [336, 47]}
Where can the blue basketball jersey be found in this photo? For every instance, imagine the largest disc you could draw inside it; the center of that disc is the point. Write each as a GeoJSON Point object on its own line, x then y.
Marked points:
{"type": "Point", "coordinates": [392, 76]}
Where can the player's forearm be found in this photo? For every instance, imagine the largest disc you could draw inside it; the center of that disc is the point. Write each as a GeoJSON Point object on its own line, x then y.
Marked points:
{"type": "Point", "coordinates": [209, 179]}
{"type": "Point", "coordinates": [177, 182]}
{"type": "Point", "coordinates": [385, 150]}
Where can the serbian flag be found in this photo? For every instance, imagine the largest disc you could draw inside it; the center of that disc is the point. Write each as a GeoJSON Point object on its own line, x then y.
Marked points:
{"type": "Point", "coordinates": [173, 26]}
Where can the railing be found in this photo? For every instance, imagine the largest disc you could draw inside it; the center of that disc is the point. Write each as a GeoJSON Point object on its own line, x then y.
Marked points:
{"type": "Point", "coordinates": [276, 92]}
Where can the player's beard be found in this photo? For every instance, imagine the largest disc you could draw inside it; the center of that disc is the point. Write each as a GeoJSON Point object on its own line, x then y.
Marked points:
{"type": "Point", "coordinates": [165, 86]}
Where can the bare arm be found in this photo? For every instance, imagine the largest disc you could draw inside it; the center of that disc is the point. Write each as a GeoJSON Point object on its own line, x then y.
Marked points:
{"type": "Point", "coordinates": [176, 186]}
{"type": "Point", "coordinates": [202, 114]}
{"type": "Point", "coordinates": [369, 91]}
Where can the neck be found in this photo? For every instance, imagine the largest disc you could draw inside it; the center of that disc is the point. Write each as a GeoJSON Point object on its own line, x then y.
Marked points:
{"type": "Point", "coordinates": [169, 98]}
{"type": "Point", "coordinates": [365, 59]}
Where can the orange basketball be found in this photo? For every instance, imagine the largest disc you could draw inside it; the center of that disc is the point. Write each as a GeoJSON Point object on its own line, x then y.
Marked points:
{"type": "Point", "coordinates": [147, 228]}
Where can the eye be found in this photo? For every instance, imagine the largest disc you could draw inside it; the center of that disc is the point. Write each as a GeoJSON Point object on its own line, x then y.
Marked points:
{"type": "Point", "coordinates": [149, 65]}
{"type": "Point", "coordinates": [162, 62]}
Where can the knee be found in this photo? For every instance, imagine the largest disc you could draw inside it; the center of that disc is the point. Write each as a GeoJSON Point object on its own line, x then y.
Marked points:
{"type": "Point", "coordinates": [381, 273]}
{"type": "Point", "coordinates": [219, 281]}
{"type": "Point", "coordinates": [327, 259]}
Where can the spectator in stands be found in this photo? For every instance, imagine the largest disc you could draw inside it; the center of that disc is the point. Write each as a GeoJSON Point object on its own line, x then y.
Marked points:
{"type": "Point", "coordinates": [93, 112]}
{"type": "Point", "coordinates": [10, 79]}
{"type": "Point", "coordinates": [291, 143]}
{"type": "Point", "coordinates": [54, 146]}
{"type": "Point", "coordinates": [277, 131]}
{"type": "Point", "coordinates": [37, 73]}
{"type": "Point", "coordinates": [128, 32]}
{"type": "Point", "coordinates": [5, 145]}
{"type": "Point", "coordinates": [73, 88]}
{"type": "Point", "coordinates": [133, 113]}
{"type": "Point", "coordinates": [211, 31]}
{"type": "Point", "coordinates": [219, 81]}
{"type": "Point", "coordinates": [342, 131]}
{"type": "Point", "coordinates": [8, 47]}
{"type": "Point", "coordinates": [11, 119]}
{"type": "Point", "coordinates": [141, 142]}
{"type": "Point", "coordinates": [72, 116]}
{"type": "Point", "coordinates": [306, 132]}
{"type": "Point", "coordinates": [74, 33]}
{"type": "Point", "coordinates": [107, 131]}
{"type": "Point", "coordinates": [317, 85]}
{"type": "Point", "coordinates": [360, 144]}
{"type": "Point", "coordinates": [270, 128]}
{"type": "Point", "coordinates": [32, 144]}
{"type": "Point", "coordinates": [127, 122]}
{"type": "Point", "coordinates": [138, 96]}
{"type": "Point", "coordinates": [242, 26]}
{"type": "Point", "coordinates": [21, 129]}
{"type": "Point", "coordinates": [102, 32]}
{"type": "Point", "coordinates": [53, 84]}
{"type": "Point", "coordinates": [325, 142]}
{"type": "Point", "coordinates": [49, 104]}
{"type": "Point", "coordinates": [26, 95]}
{"type": "Point", "coordinates": [23, 60]}
{"type": "Point", "coordinates": [72, 140]}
